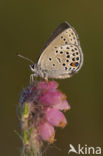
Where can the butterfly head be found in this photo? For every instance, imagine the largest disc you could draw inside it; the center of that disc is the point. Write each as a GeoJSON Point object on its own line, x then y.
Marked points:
{"type": "Point", "coordinates": [34, 68]}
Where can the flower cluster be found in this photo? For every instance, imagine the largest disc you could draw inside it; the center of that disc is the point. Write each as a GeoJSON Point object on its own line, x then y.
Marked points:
{"type": "Point", "coordinates": [41, 107]}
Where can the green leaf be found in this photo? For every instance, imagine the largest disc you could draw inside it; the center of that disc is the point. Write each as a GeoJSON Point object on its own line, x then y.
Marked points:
{"type": "Point", "coordinates": [26, 136]}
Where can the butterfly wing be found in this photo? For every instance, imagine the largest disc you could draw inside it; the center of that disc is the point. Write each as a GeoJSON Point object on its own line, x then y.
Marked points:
{"type": "Point", "coordinates": [58, 30]}
{"type": "Point", "coordinates": [70, 34]}
{"type": "Point", "coordinates": [58, 52]}
{"type": "Point", "coordinates": [63, 62]}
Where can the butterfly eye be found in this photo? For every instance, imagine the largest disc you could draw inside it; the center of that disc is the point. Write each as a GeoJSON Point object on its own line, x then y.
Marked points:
{"type": "Point", "coordinates": [32, 66]}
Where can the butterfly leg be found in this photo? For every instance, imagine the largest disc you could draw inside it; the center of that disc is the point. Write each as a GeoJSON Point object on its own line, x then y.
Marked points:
{"type": "Point", "coordinates": [46, 79]}
{"type": "Point", "coordinates": [31, 78]}
{"type": "Point", "coordinates": [45, 76]}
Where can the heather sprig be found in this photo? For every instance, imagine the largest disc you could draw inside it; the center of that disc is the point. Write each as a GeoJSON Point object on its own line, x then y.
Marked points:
{"type": "Point", "coordinates": [40, 110]}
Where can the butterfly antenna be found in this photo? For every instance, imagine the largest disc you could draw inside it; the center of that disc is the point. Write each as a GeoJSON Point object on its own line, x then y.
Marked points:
{"type": "Point", "coordinates": [25, 58]}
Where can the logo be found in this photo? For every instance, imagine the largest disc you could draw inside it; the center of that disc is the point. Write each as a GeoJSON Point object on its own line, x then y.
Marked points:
{"type": "Point", "coordinates": [84, 149]}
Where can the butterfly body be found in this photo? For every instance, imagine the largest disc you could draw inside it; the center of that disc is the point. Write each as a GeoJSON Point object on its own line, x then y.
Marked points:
{"type": "Point", "coordinates": [62, 56]}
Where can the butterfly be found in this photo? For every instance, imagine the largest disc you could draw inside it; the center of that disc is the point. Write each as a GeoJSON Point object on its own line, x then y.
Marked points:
{"type": "Point", "coordinates": [61, 56]}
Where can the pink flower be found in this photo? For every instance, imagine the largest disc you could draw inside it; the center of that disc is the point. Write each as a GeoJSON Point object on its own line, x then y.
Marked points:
{"type": "Point", "coordinates": [46, 132]}
{"type": "Point", "coordinates": [63, 105]}
{"type": "Point", "coordinates": [55, 117]}
{"type": "Point", "coordinates": [47, 85]}
{"type": "Point", "coordinates": [45, 103]}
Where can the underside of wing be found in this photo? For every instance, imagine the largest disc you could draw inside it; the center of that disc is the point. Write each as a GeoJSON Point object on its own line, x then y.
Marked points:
{"type": "Point", "coordinates": [62, 62]}
{"type": "Point", "coordinates": [63, 26]}
{"type": "Point", "coordinates": [63, 35]}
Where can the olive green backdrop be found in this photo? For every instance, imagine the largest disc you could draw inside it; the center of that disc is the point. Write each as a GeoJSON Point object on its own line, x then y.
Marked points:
{"type": "Point", "coordinates": [25, 25]}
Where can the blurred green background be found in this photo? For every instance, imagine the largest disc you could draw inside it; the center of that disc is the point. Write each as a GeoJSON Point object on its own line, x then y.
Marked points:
{"type": "Point", "coordinates": [25, 27]}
